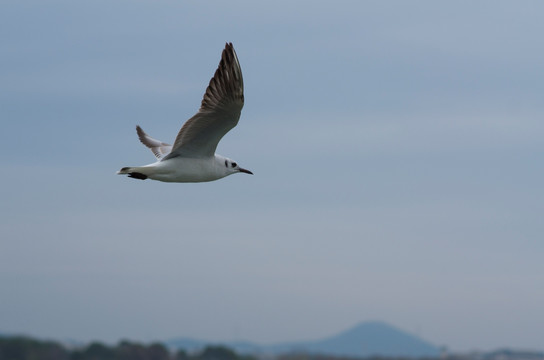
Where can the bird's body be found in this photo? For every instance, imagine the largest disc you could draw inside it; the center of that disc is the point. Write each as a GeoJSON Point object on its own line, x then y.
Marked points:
{"type": "Point", "coordinates": [192, 158]}
{"type": "Point", "coordinates": [183, 169]}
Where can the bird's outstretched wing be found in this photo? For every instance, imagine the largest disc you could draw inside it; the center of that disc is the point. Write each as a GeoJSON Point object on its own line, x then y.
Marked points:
{"type": "Point", "coordinates": [159, 148]}
{"type": "Point", "coordinates": [218, 113]}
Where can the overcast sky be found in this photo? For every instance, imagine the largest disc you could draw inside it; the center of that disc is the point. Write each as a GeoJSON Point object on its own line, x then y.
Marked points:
{"type": "Point", "coordinates": [397, 149]}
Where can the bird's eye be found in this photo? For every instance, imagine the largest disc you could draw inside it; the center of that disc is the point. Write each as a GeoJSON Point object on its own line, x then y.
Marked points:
{"type": "Point", "coordinates": [226, 163]}
{"type": "Point", "coordinates": [233, 164]}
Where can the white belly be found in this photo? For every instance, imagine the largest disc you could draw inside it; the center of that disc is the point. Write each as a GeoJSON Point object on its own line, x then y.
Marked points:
{"type": "Point", "coordinates": [182, 169]}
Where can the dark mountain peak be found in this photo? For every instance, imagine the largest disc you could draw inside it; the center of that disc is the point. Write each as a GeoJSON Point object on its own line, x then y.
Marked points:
{"type": "Point", "coordinates": [374, 338]}
{"type": "Point", "coordinates": [369, 330]}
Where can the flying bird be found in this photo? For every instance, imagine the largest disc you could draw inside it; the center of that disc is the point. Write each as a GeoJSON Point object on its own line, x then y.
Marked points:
{"type": "Point", "coordinates": [192, 158]}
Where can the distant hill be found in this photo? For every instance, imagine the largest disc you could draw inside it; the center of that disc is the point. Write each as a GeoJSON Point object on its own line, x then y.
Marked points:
{"type": "Point", "coordinates": [363, 340]}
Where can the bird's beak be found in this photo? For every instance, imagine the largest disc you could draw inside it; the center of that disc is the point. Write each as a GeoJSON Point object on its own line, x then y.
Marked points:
{"type": "Point", "coordinates": [245, 171]}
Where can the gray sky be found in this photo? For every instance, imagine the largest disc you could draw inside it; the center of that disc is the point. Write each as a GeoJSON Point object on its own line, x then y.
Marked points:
{"type": "Point", "coordinates": [397, 151]}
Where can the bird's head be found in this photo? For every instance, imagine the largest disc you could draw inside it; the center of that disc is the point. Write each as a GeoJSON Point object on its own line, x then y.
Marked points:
{"type": "Point", "coordinates": [232, 167]}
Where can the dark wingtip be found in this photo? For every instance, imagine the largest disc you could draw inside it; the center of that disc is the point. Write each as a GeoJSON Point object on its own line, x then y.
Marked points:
{"type": "Point", "coordinates": [137, 175]}
{"type": "Point", "coordinates": [141, 134]}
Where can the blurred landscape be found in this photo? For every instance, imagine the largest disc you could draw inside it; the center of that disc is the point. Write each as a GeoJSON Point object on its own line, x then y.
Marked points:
{"type": "Point", "coordinates": [369, 341]}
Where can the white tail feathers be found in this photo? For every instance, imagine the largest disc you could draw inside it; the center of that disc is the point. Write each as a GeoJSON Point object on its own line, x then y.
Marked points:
{"type": "Point", "coordinates": [125, 170]}
{"type": "Point", "coordinates": [133, 172]}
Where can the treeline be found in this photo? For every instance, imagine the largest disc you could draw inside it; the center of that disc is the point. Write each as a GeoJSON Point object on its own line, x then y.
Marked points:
{"type": "Point", "coordinates": [306, 356]}
{"type": "Point", "coordinates": [495, 355]}
{"type": "Point", "coordinates": [24, 348]}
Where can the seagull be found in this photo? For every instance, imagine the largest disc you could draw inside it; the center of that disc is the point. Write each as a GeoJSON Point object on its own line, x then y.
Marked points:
{"type": "Point", "coordinates": [192, 158]}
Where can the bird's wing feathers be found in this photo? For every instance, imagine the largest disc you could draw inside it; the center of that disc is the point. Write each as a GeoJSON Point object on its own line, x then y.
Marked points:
{"type": "Point", "coordinates": [218, 113]}
{"type": "Point", "coordinates": [159, 148]}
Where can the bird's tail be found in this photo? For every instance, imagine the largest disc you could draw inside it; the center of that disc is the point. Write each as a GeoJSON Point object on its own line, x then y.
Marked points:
{"type": "Point", "coordinates": [133, 172]}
